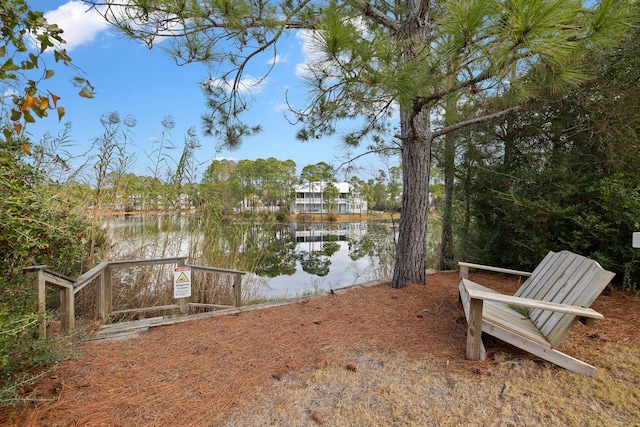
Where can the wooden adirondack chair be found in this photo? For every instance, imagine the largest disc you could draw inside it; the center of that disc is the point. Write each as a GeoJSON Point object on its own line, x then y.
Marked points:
{"type": "Point", "coordinates": [536, 319]}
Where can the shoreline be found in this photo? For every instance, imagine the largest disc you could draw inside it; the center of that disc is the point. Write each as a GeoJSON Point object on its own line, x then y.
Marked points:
{"type": "Point", "coordinates": [303, 217]}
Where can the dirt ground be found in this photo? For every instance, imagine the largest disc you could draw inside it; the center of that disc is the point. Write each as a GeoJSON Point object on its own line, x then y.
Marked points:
{"type": "Point", "coordinates": [202, 372]}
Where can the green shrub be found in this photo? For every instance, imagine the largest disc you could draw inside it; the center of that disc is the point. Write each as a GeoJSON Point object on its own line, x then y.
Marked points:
{"type": "Point", "coordinates": [36, 228]}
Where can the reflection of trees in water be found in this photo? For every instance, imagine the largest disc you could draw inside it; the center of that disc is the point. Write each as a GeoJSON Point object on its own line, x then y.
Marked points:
{"type": "Point", "coordinates": [318, 262]}
{"type": "Point", "coordinates": [330, 248]}
{"type": "Point", "coordinates": [378, 244]}
{"type": "Point", "coordinates": [314, 262]}
{"type": "Point", "coordinates": [277, 254]}
{"type": "Point", "coordinates": [269, 250]}
{"type": "Point", "coordinates": [278, 249]}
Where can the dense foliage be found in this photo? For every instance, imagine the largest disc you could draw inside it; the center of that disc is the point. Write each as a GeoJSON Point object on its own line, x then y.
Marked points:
{"type": "Point", "coordinates": [24, 38]}
{"type": "Point", "coordinates": [36, 226]}
{"type": "Point", "coordinates": [562, 174]}
{"type": "Point", "coordinates": [34, 230]}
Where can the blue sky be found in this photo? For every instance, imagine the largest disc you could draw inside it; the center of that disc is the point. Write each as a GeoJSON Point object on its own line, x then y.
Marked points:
{"type": "Point", "coordinates": [148, 85]}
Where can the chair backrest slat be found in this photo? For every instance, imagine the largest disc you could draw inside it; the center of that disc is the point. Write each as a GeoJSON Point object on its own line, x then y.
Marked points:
{"type": "Point", "coordinates": [563, 278]}
{"type": "Point", "coordinates": [541, 276]}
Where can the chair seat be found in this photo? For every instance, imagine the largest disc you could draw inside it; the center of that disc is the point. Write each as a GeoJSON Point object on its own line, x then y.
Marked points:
{"type": "Point", "coordinates": [505, 317]}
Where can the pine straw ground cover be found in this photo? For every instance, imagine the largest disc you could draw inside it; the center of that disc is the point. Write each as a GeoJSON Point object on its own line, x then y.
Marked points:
{"type": "Point", "coordinates": [368, 356]}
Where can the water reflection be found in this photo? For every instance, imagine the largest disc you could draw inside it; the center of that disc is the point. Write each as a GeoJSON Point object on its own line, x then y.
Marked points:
{"type": "Point", "coordinates": [287, 259]}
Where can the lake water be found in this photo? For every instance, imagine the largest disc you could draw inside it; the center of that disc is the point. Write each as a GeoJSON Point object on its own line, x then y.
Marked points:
{"type": "Point", "coordinates": [292, 259]}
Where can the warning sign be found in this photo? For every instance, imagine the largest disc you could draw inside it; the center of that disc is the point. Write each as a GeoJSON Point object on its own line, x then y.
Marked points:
{"type": "Point", "coordinates": [182, 282]}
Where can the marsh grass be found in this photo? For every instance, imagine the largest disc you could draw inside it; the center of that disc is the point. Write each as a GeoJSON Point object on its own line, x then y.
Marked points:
{"type": "Point", "coordinates": [205, 238]}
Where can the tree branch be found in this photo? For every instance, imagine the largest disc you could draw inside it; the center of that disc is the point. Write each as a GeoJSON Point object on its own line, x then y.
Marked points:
{"type": "Point", "coordinates": [385, 150]}
{"type": "Point", "coordinates": [377, 16]}
{"type": "Point", "coordinates": [475, 120]}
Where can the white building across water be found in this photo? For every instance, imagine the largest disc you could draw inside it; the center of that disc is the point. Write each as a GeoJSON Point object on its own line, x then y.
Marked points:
{"type": "Point", "coordinates": [310, 199]}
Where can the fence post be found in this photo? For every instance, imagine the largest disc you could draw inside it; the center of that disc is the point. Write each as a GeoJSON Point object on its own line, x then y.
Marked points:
{"type": "Point", "coordinates": [103, 294]}
{"type": "Point", "coordinates": [182, 302]}
{"type": "Point", "coordinates": [67, 308]}
{"type": "Point", "coordinates": [237, 290]}
{"type": "Point", "coordinates": [100, 300]}
{"type": "Point", "coordinates": [36, 277]}
{"type": "Point", "coordinates": [108, 294]}
{"type": "Point", "coordinates": [464, 272]}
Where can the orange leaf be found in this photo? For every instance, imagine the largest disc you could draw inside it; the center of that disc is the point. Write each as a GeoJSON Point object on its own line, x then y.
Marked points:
{"type": "Point", "coordinates": [18, 128]}
{"type": "Point", "coordinates": [44, 103]}
{"type": "Point", "coordinates": [54, 98]}
{"type": "Point", "coordinates": [28, 102]}
{"type": "Point", "coordinates": [26, 148]}
{"type": "Point", "coordinates": [60, 113]}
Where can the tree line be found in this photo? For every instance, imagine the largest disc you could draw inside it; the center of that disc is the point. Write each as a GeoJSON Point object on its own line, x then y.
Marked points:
{"type": "Point", "coordinates": [271, 184]}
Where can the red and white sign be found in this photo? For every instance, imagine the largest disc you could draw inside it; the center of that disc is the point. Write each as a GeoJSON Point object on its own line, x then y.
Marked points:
{"type": "Point", "coordinates": [182, 282]}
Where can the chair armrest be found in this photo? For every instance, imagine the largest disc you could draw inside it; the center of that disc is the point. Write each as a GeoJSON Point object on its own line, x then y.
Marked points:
{"type": "Point", "coordinates": [531, 303]}
{"type": "Point", "coordinates": [466, 265]}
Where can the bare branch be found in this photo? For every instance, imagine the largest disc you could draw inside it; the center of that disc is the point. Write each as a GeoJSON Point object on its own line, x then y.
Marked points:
{"type": "Point", "coordinates": [377, 16]}
{"type": "Point", "coordinates": [475, 120]}
{"type": "Point", "coordinates": [384, 150]}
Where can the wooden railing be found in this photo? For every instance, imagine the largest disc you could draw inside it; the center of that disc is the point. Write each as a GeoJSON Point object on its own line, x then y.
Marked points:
{"type": "Point", "coordinates": [43, 277]}
{"type": "Point", "coordinates": [101, 274]}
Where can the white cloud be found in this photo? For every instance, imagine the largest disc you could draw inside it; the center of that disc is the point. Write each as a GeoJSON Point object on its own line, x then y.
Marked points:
{"type": "Point", "coordinates": [312, 54]}
{"type": "Point", "coordinates": [278, 59]}
{"type": "Point", "coordinates": [278, 107]}
{"type": "Point", "coordinates": [81, 25]}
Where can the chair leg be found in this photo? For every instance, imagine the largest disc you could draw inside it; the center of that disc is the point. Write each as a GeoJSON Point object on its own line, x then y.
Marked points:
{"type": "Point", "coordinates": [474, 331]}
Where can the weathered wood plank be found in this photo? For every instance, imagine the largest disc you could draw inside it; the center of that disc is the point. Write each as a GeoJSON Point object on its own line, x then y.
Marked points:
{"type": "Point", "coordinates": [579, 284]}
{"type": "Point", "coordinates": [586, 295]}
{"type": "Point", "coordinates": [203, 305]}
{"type": "Point", "coordinates": [464, 270]}
{"type": "Point", "coordinates": [503, 315]}
{"type": "Point", "coordinates": [144, 262]}
{"type": "Point", "coordinates": [466, 265]}
{"type": "Point", "coordinates": [45, 269]}
{"type": "Point", "coordinates": [214, 269]}
{"type": "Point", "coordinates": [67, 309]}
{"type": "Point", "coordinates": [237, 290]}
{"type": "Point", "coordinates": [565, 293]}
{"type": "Point", "coordinates": [558, 358]}
{"type": "Point", "coordinates": [514, 323]}
{"type": "Point", "coordinates": [57, 280]}
{"type": "Point", "coordinates": [466, 301]}
{"type": "Point", "coordinates": [544, 276]}
{"type": "Point", "coordinates": [145, 309]}
{"type": "Point", "coordinates": [41, 292]}
{"type": "Point", "coordinates": [89, 276]}
{"type": "Point", "coordinates": [524, 302]}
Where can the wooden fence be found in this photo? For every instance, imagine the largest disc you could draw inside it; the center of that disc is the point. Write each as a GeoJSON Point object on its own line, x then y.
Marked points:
{"type": "Point", "coordinates": [101, 275]}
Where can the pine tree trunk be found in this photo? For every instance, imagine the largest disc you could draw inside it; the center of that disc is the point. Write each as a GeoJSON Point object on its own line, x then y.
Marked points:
{"type": "Point", "coordinates": [415, 128]}
{"type": "Point", "coordinates": [412, 237]}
